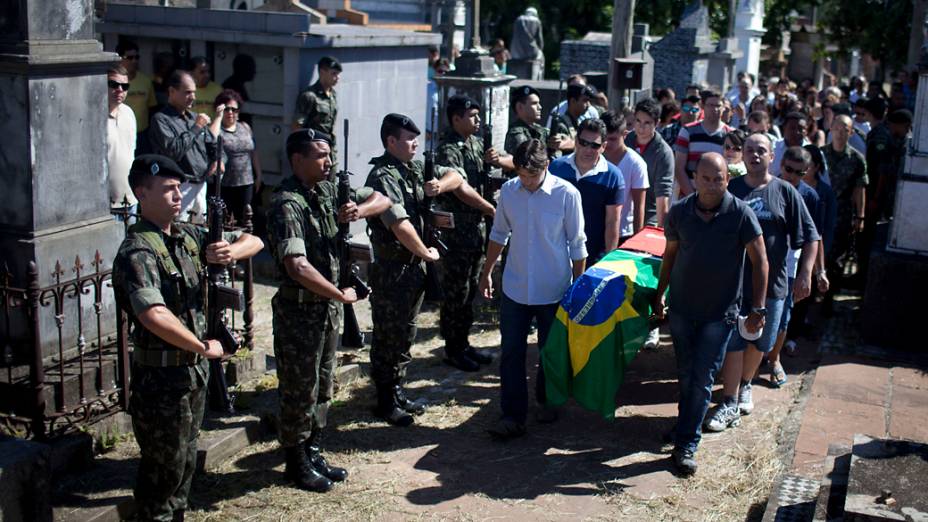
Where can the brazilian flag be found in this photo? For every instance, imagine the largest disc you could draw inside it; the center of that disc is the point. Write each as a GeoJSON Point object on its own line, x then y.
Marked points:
{"type": "Point", "coordinates": [600, 324]}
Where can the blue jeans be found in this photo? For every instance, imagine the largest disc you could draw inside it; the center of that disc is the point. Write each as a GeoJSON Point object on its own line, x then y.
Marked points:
{"type": "Point", "coordinates": [771, 327]}
{"type": "Point", "coordinates": [700, 349]}
{"type": "Point", "coordinates": [515, 319]}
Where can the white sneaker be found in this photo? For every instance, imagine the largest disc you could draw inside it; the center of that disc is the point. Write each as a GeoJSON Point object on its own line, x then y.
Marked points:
{"type": "Point", "coordinates": [745, 399]}
{"type": "Point", "coordinates": [725, 416]}
{"type": "Point", "coordinates": [653, 340]}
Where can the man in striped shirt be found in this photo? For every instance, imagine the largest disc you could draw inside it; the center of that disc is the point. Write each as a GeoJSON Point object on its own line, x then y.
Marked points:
{"type": "Point", "coordinates": [698, 138]}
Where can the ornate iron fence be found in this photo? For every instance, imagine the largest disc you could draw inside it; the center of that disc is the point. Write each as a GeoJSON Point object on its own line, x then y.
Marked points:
{"type": "Point", "coordinates": [86, 376]}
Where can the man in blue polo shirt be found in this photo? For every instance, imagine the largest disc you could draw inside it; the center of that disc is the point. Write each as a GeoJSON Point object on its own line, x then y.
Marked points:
{"type": "Point", "coordinates": [601, 188]}
{"type": "Point", "coordinates": [708, 233]}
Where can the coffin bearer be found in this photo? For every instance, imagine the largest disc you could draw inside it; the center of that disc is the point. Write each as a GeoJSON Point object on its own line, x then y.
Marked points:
{"type": "Point", "coordinates": [157, 281]}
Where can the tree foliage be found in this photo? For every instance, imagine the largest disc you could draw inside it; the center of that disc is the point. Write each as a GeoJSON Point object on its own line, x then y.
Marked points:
{"type": "Point", "coordinates": [877, 27]}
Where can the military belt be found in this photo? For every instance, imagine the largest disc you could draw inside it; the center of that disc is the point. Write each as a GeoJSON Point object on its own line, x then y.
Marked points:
{"type": "Point", "coordinates": [300, 295]}
{"type": "Point", "coordinates": [165, 358]}
{"type": "Point", "coordinates": [467, 217]}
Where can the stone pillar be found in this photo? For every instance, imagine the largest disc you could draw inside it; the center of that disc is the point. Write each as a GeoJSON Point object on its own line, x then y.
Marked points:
{"type": "Point", "coordinates": [53, 168]}
{"type": "Point", "coordinates": [749, 29]}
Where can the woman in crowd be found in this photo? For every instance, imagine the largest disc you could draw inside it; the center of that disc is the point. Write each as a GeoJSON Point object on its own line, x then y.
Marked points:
{"type": "Point", "coordinates": [242, 177]}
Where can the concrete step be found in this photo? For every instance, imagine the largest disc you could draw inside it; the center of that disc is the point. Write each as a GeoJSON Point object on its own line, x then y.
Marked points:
{"type": "Point", "coordinates": [104, 492]}
{"type": "Point", "coordinates": [830, 503]}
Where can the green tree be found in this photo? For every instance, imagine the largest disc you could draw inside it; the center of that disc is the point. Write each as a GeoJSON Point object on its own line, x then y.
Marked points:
{"type": "Point", "coordinates": [876, 27]}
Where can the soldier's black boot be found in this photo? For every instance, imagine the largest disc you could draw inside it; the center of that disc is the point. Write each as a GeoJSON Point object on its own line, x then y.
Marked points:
{"type": "Point", "coordinates": [414, 407]}
{"type": "Point", "coordinates": [387, 408]}
{"type": "Point", "coordinates": [457, 358]}
{"type": "Point", "coordinates": [314, 450]}
{"type": "Point", "coordinates": [479, 357]}
{"type": "Point", "coordinates": [301, 472]}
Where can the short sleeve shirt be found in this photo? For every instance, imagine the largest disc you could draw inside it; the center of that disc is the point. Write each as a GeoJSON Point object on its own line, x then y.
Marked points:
{"type": "Point", "coordinates": [403, 184]}
{"type": "Point", "coordinates": [694, 141]}
{"type": "Point", "coordinates": [317, 109]}
{"type": "Point", "coordinates": [141, 97]}
{"type": "Point", "coordinates": [520, 132]}
{"type": "Point", "coordinates": [238, 145]}
{"type": "Point", "coordinates": [465, 155]}
{"type": "Point", "coordinates": [705, 283]}
{"type": "Point", "coordinates": [635, 174]}
{"type": "Point", "coordinates": [302, 222]}
{"type": "Point", "coordinates": [847, 170]}
{"type": "Point", "coordinates": [786, 224]}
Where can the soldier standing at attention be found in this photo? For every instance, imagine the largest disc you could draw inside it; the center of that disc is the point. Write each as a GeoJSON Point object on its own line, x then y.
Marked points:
{"type": "Point", "coordinates": [317, 106]}
{"type": "Point", "coordinates": [302, 232]}
{"type": "Point", "coordinates": [397, 276]}
{"type": "Point", "coordinates": [462, 150]}
{"type": "Point", "coordinates": [157, 281]}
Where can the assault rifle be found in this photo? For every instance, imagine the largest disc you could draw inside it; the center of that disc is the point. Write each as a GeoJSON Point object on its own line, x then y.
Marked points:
{"type": "Point", "coordinates": [349, 255]}
{"type": "Point", "coordinates": [219, 296]}
{"type": "Point", "coordinates": [552, 123]}
{"type": "Point", "coordinates": [431, 232]}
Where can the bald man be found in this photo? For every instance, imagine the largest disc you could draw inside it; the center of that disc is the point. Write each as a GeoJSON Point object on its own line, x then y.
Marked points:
{"type": "Point", "coordinates": [786, 224]}
{"type": "Point", "coordinates": [847, 171]}
{"type": "Point", "coordinates": [707, 235]}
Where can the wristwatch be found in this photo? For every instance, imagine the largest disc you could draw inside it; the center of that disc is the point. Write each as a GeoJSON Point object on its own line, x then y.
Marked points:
{"type": "Point", "coordinates": [761, 311]}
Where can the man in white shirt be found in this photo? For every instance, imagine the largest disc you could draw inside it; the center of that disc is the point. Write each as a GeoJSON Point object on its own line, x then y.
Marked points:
{"type": "Point", "coordinates": [120, 141]}
{"type": "Point", "coordinates": [634, 172]}
{"type": "Point", "coordinates": [542, 216]}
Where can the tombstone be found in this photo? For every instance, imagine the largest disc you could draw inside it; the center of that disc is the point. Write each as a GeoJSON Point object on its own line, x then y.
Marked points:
{"type": "Point", "coordinates": [749, 29]}
{"type": "Point", "coordinates": [477, 78]}
{"type": "Point", "coordinates": [722, 62]}
{"type": "Point", "coordinates": [682, 57]}
{"type": "Point", "coordinates": [53, 98]}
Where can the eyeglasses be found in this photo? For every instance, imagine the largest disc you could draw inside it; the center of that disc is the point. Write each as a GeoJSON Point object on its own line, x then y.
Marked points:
{"type": "Point", "coordinates": [734, 148]}
{"type": "Point", "coordinates": [589, 144]}
{"type": "Point", "coordinates": [113, 84]}
{"type": "Point", "coordinates": [133, 57]}
{"type": "Point", "coordinates": [791, 170]}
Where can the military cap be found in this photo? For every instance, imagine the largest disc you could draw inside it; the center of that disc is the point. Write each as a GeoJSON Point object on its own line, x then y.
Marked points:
{"type": "Point", "coordinates": [461, 102]}
{"type": "Point", "coordinates": [329, 62]}
{"type": "Point", "coordinates": [302, 136]}
{"type": "Point", "coordinates": [148, 165]}
{"type": "Point", "coordinates": [521, 93]}
{"type": "Point", "coordinates": [403, 122]}
{"type": "Point", "coordinates": [900, 116]}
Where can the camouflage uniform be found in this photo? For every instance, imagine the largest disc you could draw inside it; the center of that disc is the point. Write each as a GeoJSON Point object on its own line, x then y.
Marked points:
{"type": "Point", "coordinates": [302, 222]}
{"type": "Point", "coordinates": [846, 171]}
{"type": "Point", "coordinates": [168, 384]}
{"type": "Point", "coordinates": [316, 109]}
{"type": "Point", "coordinates": [520, 132]}
{"type": "Point", "coordinates": [884, 164]}
{"type": "Point", "coordinates": [397, 277]}
{"type": "Point", "coordinates": [462, 263]}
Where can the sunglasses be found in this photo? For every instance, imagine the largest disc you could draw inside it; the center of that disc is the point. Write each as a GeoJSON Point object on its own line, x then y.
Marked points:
{"type": "Point", "coordinates": [791, 170]}
{"type": "Point", "coordinates": [233, 110]}
{"type": "Point", "coordinates": [113, 84]}
{"type": "Point", "coordinates": [690, 109]}
{"type": "Point", "coordinates": [589, 144]}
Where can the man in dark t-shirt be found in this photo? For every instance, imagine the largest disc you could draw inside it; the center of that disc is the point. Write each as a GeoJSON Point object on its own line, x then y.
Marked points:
{"type": "Point", "coordinates": [786, 224]}
{"type": "Point", "coordinates": [707, 235]}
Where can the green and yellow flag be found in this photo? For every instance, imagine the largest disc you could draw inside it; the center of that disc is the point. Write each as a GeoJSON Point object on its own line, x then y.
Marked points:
{"type": "Point", "coordinates": [600, 324]}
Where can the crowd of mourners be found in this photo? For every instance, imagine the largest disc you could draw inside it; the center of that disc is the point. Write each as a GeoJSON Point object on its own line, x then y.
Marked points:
{"type": "Point", "coordinates": [770, 196]}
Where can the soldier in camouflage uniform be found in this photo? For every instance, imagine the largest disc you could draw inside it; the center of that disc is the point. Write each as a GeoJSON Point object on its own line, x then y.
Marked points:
{"type": "Point", "coordinates": [461, 149]}
{"type": "Point", "coordinates": [526, 102]}
{"type": "Point", "coordinates": [565, 125]}
{"type": "Point", "coordinates": [157, 281]}
{"type": "Point", "coordinates": [302, 232]}
{"type": "Point", "coordinates": [317, 106]}
{"type": "Point", "coordinates": [847, 172]}
{"type": "Point", "coordinates": [397, 276]}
